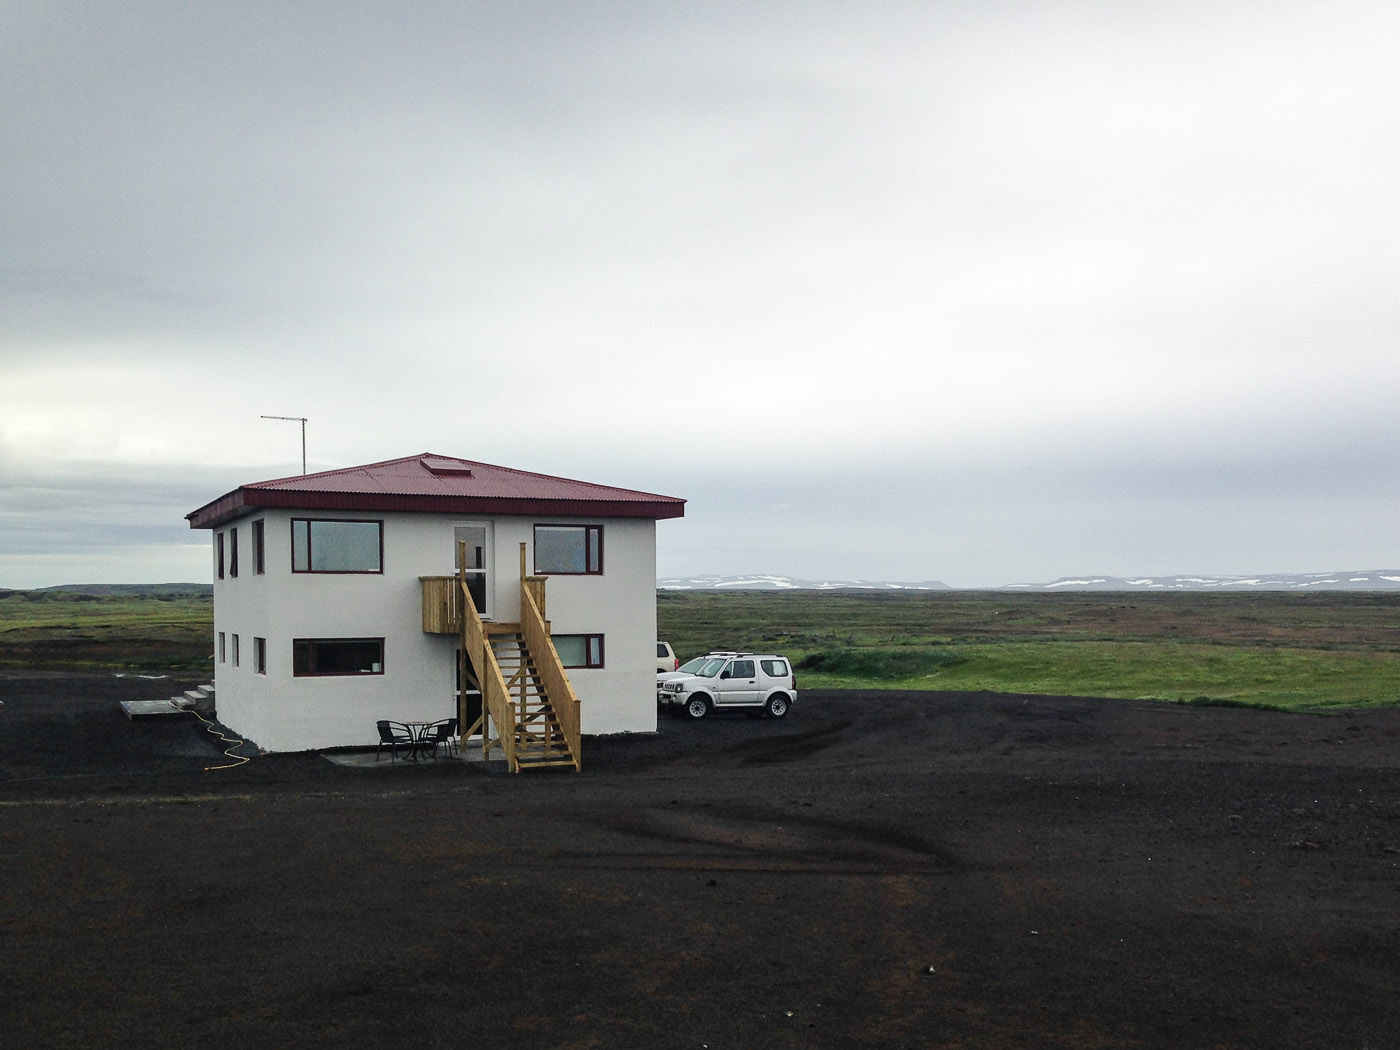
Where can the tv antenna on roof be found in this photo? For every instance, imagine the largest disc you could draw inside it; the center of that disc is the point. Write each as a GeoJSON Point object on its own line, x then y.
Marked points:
{"type": "Point", "coordinates": [302, 421]}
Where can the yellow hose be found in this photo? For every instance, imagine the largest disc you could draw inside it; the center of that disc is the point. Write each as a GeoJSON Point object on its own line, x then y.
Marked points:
{"type": "Point", "coordinates": [228, 753]}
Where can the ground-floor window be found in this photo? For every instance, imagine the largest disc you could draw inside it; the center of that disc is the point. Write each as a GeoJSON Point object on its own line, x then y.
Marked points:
{"type": "Point", "coordinates": [260, 655]}
{"type": "Point", "coordinates": [235, 649]}
{"type": "Point", "coordinates": [223, 648]}
{"type": "Point", "coordinates": [579, 650]}
{"type": "Point", "coordinates": [332, 656]}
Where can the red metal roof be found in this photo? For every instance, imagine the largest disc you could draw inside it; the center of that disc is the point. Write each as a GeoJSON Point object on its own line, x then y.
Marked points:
{"type": "Point", "coordinates": [439, 484]}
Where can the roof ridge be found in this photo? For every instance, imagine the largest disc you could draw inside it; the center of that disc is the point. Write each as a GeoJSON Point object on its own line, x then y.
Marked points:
{"type": "Point", "coordinates": [339, 470]}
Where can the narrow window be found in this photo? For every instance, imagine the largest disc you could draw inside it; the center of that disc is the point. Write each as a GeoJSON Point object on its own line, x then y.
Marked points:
{"type": "Point", "coordinates": [219, 557]}
{"type": "Point", "coordinates": [259, 548]}
{"type": "Point", "coordinates": [337, 546]}
{"type": "Point", "coordinates": [337, 656]}
{"type": "Point", "coordinates": [260, 655]}
{"type": "Point", "coordinates": [223, 652]}
{"type": "Point", "coordinates": [568, 550]}
{"type": "Point", "coordinates": [233, 552]}
{"type": "Point", "coordinates": [579, 650]}
{"type": "Point", "coordinates": [235, 650]}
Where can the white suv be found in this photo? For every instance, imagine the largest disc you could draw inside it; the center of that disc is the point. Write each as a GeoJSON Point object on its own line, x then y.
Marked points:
{"type": "Point", "coordinates": [687, 668]}
{"type": "Point", "coordinates": [666, 661]}
{"type": "Point", "coordinates": [733, 680]}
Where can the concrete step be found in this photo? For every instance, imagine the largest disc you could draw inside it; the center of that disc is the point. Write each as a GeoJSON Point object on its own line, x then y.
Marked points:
{"type": "Point", "coordinates": [139, 709]}
{"type": "Point", "coordinates": [193, 697]}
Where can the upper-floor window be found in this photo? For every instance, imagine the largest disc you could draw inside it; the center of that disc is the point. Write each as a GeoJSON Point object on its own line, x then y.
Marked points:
{"type": "Point", "coordinates": [337, 546]}
{"type": "Point", "coordinates": [219, 553]}
{"type": "Point", "coordinates": [568, 550]}
{"type": "Point", "coordinates": [259, 548]}
{"type": "Point", "coordinates": [233, 552]}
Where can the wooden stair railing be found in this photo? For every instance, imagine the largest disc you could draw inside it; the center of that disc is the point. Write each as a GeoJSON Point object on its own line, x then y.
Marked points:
{"type": "Point", "coordinates": [558, 690]}
{"type": "Point", "coordinates": [496, 707]}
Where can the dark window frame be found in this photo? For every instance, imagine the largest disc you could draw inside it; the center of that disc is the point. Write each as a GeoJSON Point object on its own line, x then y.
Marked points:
{"type": "Point", "coordinates": [259, 655]}
{"type": "Point", "coordinates": [259, 547]}
{"type": "Point", "coordinates": [219, 552]}
{"type": "Point", "coordinates": [592, 642]}
{"type": "Point", "coordinates": [310, 554]}
{"type": "Point", "coordinates": [306, 650]}
{"type": "Point", "coordinates": [233, 553]}
{"type": "Point", "coordinates": [592, 550]}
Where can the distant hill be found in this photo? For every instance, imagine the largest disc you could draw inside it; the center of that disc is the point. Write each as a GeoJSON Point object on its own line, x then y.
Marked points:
{"type": "Point", "coordinates": [707, 582]}
{"type": "Point", "coordinates": [196, 590]}
{"type": "Point", "coordinates": [1368, 580]}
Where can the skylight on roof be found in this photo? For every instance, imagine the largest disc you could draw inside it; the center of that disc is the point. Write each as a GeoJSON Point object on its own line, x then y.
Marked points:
{"type": "Point", "coordinates": [446, 467]}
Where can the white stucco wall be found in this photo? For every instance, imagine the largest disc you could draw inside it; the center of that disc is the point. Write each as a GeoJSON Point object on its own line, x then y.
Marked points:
{"type": "Point", "coordinates": [280, 712]}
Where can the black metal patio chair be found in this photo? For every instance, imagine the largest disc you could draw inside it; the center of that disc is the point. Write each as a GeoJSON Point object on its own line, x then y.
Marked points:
{"type": "Point", "coordinates": [440, 734]}
{"type": "Point", "coordinates": [393, 735]}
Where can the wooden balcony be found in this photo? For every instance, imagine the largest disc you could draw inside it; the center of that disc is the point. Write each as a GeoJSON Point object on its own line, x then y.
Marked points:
{"type": "Point", "coordinates": [442, 605]}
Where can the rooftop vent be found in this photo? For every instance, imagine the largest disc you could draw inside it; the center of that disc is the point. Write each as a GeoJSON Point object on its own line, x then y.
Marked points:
{"type": "Point", "coordinates": [444, 467]}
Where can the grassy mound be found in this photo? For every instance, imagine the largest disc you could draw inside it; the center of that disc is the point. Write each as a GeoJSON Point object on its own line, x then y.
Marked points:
{"type": "Point", "coordinates": [879, 663]}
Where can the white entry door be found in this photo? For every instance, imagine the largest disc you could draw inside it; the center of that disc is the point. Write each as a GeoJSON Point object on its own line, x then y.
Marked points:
{"type": "Point", "coordinates": [474, 541]}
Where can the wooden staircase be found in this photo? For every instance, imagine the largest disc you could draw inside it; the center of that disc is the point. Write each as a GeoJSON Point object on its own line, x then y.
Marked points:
{"type": "Point", "coordinates": [528, 706]}
{"type": "Point", "coordinates": [539, 739]}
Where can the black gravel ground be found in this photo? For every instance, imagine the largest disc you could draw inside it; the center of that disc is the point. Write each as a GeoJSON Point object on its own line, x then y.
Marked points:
{"type": "Point", "coordinates": [875, 870]}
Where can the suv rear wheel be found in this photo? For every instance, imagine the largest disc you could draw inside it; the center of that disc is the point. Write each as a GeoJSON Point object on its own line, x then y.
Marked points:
{"type": "Point", "coordinates": [777, 705]}
{"type": "Point", "coordinates": [697, 707]}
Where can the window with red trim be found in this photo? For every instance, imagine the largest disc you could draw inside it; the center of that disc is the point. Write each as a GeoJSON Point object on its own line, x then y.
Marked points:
{"type": "Point", "coordinates": [579, 650]}
{"type": "Point", "coordinates": [568, 550]}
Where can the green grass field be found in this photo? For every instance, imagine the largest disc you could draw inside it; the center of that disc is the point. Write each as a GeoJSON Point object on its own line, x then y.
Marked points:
{"type": "Point", "coordinates": [1305, 652]}
{"type": "Point", "coordinates": [151, 630]}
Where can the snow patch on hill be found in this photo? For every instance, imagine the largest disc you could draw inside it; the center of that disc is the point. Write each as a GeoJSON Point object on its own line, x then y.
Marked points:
{"type": "Point", "coordinates": [764, 582]}
{"type": "Point", "coordinates": [1367, 580]}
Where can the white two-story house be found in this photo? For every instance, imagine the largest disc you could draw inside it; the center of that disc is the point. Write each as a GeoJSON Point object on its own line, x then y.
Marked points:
{"type": "Point", "coordinates": [415, 590]}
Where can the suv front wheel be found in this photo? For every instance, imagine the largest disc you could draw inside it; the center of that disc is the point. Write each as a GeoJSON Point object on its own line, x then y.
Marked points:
{"type": "Point", "coordinates": [697, 707]}
{"type": "Point", "coordinates": [777, 705]}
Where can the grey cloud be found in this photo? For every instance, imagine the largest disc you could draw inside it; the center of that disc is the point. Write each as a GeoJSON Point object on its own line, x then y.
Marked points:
{"type": "Point", "coordinates": [1079, 262]}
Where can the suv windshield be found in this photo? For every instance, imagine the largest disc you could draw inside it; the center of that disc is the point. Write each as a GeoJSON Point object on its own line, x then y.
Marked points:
{"type": "Point", "coordinates": [712, 668]}
{"type": "Point", "coordinates": [691, 666]}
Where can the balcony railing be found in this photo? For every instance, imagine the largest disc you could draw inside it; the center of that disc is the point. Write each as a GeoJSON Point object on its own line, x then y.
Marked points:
{"type": "Point", "coordinates": [442, 605]}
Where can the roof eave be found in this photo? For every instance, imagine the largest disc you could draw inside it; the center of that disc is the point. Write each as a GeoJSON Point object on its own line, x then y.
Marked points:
{"type": "Point", "coordinates": [244, 501]}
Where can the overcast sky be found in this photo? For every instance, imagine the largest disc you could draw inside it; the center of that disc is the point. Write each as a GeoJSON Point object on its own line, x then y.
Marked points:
{"type": "Point", "coordinates": [983, 292]}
